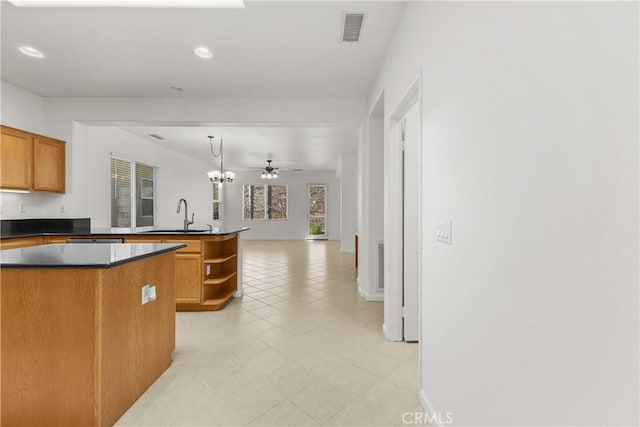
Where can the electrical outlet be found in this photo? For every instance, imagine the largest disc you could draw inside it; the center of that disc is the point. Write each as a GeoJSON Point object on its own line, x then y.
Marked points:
{"type": "Point", "coordinates": [22, 208]}
{"type": "Point", "coordinates": [62, 210]}
{"type": "Point", "coordinates": [148, 293]}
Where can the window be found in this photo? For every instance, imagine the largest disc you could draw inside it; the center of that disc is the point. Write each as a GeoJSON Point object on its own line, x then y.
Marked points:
{"type": "Point", "coordinates": [217, 187]}
{"type": "Point", "coordinates": [264, 201]}
{"type": "Point", "coordinates": [133, 194]}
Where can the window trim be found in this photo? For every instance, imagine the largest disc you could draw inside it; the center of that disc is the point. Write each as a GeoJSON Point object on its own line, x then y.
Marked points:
{"type": "Point", "coordinates": [266, 208]}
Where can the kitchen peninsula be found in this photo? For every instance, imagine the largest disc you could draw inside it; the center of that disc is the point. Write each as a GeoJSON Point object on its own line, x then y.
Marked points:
{"type": "Point", "coordinates": [208, 269]}
{"type": "Point", "coordinates": [85, 329]}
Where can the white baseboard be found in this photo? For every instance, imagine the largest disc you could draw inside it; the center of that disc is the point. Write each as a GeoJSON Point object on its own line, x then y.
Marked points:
{"type": "Point", "coordinates": [370, 297]}
{"type": "Point", "coordinates": [375, 297]}
{"type": "Point", "coordinates": [428, 408]}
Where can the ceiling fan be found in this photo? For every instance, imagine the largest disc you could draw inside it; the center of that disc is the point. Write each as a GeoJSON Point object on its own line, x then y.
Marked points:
{"type": "Point", "coordinates": [269, 171]}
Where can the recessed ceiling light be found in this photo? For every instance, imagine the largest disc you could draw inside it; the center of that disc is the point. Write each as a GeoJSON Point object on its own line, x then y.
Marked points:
{"type": "Point", "coordinates": [203, 52]}
{"type": "Point", "coordinates": [231, 4]}
{"type": "Point", "coordinates": [31, 51]}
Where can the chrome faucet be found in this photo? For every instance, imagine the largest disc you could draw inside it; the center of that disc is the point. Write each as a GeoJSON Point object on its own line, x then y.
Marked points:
{"type": "Point", "coordinates": [186, 214]}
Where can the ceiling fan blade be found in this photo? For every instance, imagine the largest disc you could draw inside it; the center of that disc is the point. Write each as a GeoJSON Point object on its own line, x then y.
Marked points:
{"type": "Point", "coordinates": [262, 168]}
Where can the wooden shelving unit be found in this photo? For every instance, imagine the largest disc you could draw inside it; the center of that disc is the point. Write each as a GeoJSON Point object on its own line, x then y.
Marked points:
{"type": "Point", "coordinates": [221, 278]}
{"type": "Point", "coordinates": [220, 262]}
{"type": "Point", "coordinates": [206, 270]}
{"type": "Point", "coordinates": [219, 259]}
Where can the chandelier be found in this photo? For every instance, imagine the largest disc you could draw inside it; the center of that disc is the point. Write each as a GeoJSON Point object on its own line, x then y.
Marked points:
{"type": "Point", "coordinates": [269, 171]}
{"type": "Point", "coordinates": [221, 175]}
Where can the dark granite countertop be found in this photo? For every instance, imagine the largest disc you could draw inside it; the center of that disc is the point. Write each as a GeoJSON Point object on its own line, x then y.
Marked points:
{"type": "Point", "coordinates": [97, 231]}
{"type": "Point", "coordinates": [95, 255]}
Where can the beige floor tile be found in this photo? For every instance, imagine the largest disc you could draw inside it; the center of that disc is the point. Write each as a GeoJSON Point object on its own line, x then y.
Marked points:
{"type": "Point", "coordinates": [253, 304]}
{"type": "Point", "coordinates": [290, 379]}
{"type": "Point", "coordinates": [284, 414]}
{"type": "Point", "coordinates": [300, 347]}
{"type": "Point", "coordinates": [404, 375]}
{"type": "Point", "coordinates": [361, 412]}
{"type": "Point", "coordinates": [265, 362]}
{"type": "Point", "coordinates": [253, 400]}
{"type": "Point", "coordinates": [322, 400]}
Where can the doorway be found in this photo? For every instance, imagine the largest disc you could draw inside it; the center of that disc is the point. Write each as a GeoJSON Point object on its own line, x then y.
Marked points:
{"type": "Point", "coordinates": [316, 212]}
{"type": "Point", "coordinates": [403, 223]}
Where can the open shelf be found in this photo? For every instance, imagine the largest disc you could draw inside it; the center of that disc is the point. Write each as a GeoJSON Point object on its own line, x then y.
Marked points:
{"type": "Point", "coordinates": [219, 260]}
{"type": "Point", "coordinates": [220, 279]}
{"type": "Point", "coordinates": [217, 301]}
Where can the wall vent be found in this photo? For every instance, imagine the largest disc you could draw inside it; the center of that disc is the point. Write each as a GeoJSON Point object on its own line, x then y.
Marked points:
{"type": "Point", "coordinates": [158, 137]}
{"type": "Point", "coordinates": [352, 26]}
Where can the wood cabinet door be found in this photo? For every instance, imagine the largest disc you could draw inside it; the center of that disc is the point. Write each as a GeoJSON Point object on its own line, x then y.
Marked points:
{"type": "Point", "coordinates": [48, 164]}
{"type": "Point", "coordinates": [188, 278]}
{"type": "Point", "coordinates": [20, 242]}
{"type": "Point", "coordinates": [15, 159]}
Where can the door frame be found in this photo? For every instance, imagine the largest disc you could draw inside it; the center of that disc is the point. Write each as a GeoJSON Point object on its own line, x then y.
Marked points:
{"type": "Point", "coordinates": [393, 236]}
{"type": "Point", "coordinates": [326, 210]}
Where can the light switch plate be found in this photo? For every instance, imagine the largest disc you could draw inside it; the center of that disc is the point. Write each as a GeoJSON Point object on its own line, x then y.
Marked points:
{"type": "Point", "coordinates": [443, 233]}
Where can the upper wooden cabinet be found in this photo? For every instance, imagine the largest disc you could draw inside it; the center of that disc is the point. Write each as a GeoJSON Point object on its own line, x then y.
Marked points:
{"type": "Point", "coordinates": [16, 158]}
{"type": "Point", "coordinates": [48, 164]}
{"type": "Point", "coordinates": [31, 162]}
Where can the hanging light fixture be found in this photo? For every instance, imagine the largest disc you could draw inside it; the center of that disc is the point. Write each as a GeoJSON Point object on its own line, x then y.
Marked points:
{"type": "Point", "coordinates": [221, 175]}
{"type": "Point", "coordinates": [269, 171]}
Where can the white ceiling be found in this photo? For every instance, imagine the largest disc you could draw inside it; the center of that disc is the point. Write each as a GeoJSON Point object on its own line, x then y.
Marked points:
{"type": "Point", "coordinates": [266, 50]}
{"type": "Point", "coordinates": [286, 49]}
{"type": "Point", "coordinates": [304, 147]}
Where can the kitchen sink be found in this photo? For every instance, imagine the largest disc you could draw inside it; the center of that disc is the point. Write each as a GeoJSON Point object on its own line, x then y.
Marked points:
{"type": "Point", "coordinates": [179, 230]}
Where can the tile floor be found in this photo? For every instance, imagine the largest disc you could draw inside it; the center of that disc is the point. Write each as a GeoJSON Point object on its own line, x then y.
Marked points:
{"type": "Point", "coordinates": [300, 348]}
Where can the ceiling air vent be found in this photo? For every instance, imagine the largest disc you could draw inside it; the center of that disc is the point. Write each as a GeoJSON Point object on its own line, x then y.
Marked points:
{"type": "Point", "coordinates": [352, 26]}
{"type": "Point", "coordinates": [158, 137]}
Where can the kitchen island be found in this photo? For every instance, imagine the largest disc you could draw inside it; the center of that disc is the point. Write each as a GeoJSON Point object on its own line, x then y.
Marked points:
{"type": "Point", "coordinates": [208, 269]}
{"type": "Point", "coordinates": [84, 330]}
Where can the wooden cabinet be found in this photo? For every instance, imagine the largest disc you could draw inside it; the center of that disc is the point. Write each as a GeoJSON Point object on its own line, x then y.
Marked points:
{"type": "Point", "coordinates": [188, 278]}
{"type": "Point", "coordinates": [188, 268]}
{"type": "Point", "coordinates": [16, 157]}
{"type": "Point", "coordinates": [22, 242]}
{"type": "Point", "coordinates": [55, 239]}
{"type": "Point", "coordinates": [206, 270]}
{"type": "Point", "coordinates": [48, 164]}
{"type": "Point", "coordinates": [90, 349]}
{"type": "Point", "coordinates": [31, 162]}
{"type": "Point", "coordinates": [188, 272]}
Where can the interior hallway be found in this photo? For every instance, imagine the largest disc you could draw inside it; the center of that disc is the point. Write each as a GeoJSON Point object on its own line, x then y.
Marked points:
{"type": "Point", "coordinates": [299, 348]}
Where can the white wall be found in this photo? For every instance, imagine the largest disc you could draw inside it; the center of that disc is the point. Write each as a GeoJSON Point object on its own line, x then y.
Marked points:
{"type": "Point", "coordinates": [178, 177]}
{"type": "Point", "coordinates": [347, 176]}
{"type": "Point", "coordinates": [69, 119]}
{"type": "Point", "coordinates": [23, 110]}
{"type": "Point", "coordinates": [371, 186]}
{"type": "Point", "coordinates": [62, 116]}
{"type": "Point", "coordinates": [295, 227]}
{"type": "Point", "coordinates": [530, 145]}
